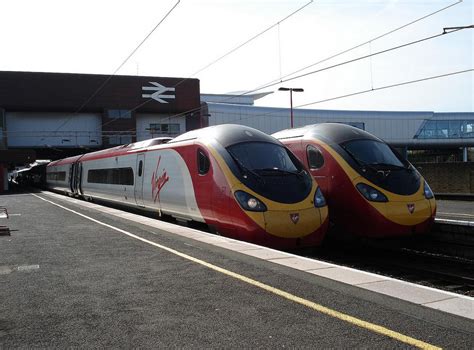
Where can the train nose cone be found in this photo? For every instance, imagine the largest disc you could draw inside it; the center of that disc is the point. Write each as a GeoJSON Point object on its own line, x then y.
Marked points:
{"type": "Point", "coordinates": [291, 224]}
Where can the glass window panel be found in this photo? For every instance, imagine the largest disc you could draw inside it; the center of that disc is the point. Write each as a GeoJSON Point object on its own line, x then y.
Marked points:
{"type": "Point", "coordinates": [455, 128]}
{"type": "Point", "coordinates": [468, 128]}
{"type": "Point", "coordinates": [203, 163]}
{"type": "Point", "coordinates": [439, 129]}
{"type": "Point", "coordinates": [174, 128]}
{"type": "Point", "coordinates": [442, 127]}
{"type": "Point", "coordinates": [113, 176]}
{"type": "Point", "coordinates": [315, 158]}
{"type": "Point", "coordinates": [119, 113]}
{"type": "Point", "coordinates": [262, 155]}
{"type": "Point", "coordinates": [430, 125]}
{"type": "Point", "coordinates": [114, 140]}
{"type": "Point", "coordinates": [125, 114]}
{"type": "Point", "coordinates": [126, 139]}
{"type": "Point", "coordinates": [372, 152]}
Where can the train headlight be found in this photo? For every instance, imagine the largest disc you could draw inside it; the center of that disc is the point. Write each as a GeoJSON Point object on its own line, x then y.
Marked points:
{"type": "Point", "coordinates": [371, 193]}
{"type": "Point", "coordinates": [428, 193]}
{"type": "Point", "coordinates": [319, 200]}
{"type": "Point", "coordinates": [249, 202]}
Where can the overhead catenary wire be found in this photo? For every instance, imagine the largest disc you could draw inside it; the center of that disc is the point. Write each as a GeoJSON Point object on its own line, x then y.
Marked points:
{"type": "Point", "coordinates": [335, 66]}
{"type": "Point", "coordinates": [251, 39]}
{"type": "Point", "coordinates": [278, 81]}
{"type": "Point", "coordinates": [373, 39]}
{"type": "Point", "coordinates": [387, 87]}
{"type": "Point", "coordinates": [276, 24]}
{"type": "Point", "coordinates": [120, 66]}
{"type": "Point", "coordinates": [364, 57]}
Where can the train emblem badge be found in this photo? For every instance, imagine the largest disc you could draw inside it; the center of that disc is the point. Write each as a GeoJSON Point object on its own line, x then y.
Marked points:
{"type": "Point", "coordinates": [295, 217]}
{"type": "Point", "coordinates": [411, 208]}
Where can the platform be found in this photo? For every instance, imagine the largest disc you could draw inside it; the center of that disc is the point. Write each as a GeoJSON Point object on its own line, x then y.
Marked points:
{"type": "Point", "coordinates": [76, 274]}
{"type": "Point", "coordinates": [455, 211]}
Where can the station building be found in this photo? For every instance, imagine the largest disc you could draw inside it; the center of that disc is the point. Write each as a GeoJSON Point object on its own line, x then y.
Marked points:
{"type": "Point", "coordinates": [55, 115]}
{"type": "Point", "coordinates": [404, 130]}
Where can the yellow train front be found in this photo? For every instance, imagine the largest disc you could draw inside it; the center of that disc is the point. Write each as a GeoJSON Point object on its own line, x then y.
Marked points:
{"type": "Point", "coordinates": [371, 190]}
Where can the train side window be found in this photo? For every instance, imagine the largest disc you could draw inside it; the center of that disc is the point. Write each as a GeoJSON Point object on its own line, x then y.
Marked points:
{"type": "Point", "coordinates": [112, 176]}
{"type": "Point", "coordinates": [203, 162]}
{"type": "Point", "coordinates": [315, 157]}
{"type": "Point", "coordinates": [140, 168]}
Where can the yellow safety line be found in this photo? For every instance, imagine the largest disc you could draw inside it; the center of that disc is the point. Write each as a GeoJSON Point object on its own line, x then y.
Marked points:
{"type": "Point", "coordinates": [317, 307]}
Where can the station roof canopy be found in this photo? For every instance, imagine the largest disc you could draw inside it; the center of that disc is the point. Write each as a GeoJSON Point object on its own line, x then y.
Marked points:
{"type": "Point", "coordinates": [235, 98]}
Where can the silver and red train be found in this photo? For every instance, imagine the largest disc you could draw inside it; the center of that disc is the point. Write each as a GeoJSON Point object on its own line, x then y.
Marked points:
{"type": "Point", "coordinates": [237, 180]}
{"type": "Point", "coordinates": [371, 190]}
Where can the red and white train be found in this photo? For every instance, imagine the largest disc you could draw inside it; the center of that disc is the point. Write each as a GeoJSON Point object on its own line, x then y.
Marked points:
{"type": "Point", "coordinates": [371, 190]}
{"type": "Point", "coordinates": [237, 180]}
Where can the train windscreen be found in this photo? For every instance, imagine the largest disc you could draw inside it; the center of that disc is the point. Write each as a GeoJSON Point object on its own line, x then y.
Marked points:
{"type": "Point", "coordinates": [370, 152]}
{"type": "Point", "coordinates": [263, 156]}
{"type": "Point", "coordinates": [271, 171]}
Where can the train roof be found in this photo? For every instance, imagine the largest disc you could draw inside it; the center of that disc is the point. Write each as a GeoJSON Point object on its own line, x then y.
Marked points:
{"type": "Point", "coordinates": [226, 135]}
{"type": "Point", "coordinates": [65, 160]}
{"type": "Point", "coordinates": [114, 151]}
{"type": "Point", "coordinates": [333, 132]}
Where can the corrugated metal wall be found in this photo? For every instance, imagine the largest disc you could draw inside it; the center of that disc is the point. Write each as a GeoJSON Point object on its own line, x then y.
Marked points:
{"type": "Point", "coordinates": [26, 129]}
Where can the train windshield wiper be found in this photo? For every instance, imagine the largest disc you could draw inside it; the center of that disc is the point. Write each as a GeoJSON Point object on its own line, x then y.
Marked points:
{"type": "Point", "coordinates": [243, 169]}
{"type": "Point", "coordinates": [390, 166]}
{"type": "Point", "coordinates": [278, 170]}
{"type": "Point", "coordinates": [359, 161]}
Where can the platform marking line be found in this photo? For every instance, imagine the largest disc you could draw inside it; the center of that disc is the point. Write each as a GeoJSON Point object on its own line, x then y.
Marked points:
{"type": "Point", "coordinates": [145, 221]}
{"type": "Point", "coordinates": [312, 305]}
{"type": "Point", "coordinates": [456, 214]}
{"type": "Point", "coordinates": [454, 221]}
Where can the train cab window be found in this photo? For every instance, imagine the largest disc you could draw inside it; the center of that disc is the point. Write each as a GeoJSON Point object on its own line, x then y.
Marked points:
{"type": "Point", "coordinates": [372, 152]}
{"type": "Point", "coordinates": [203, 162]}
{"type": "Point", "coordinates": [315, 157]}
{"type": "Point", "coordinates": [140, 168]}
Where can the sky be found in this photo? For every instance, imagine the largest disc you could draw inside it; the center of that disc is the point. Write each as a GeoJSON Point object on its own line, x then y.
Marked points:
{"type": "Point", "coordinates": [97, 36]}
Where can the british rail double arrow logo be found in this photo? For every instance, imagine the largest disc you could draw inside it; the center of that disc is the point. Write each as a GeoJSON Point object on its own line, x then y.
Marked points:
{"type": "Point", "coordinates": [159, 90]}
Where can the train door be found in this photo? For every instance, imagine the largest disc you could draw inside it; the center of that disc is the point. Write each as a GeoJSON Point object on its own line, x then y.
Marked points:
{"type": "Point", "coordinates": [71, 177]}
{"type": "Point", "coordinates": [75, 172]}
{"type": "Point", "coordinates": [79, 179]}
{"type": "Point", "coordinates": [139, 176]}
{"type": "Point", "coordinates": [75, 176]}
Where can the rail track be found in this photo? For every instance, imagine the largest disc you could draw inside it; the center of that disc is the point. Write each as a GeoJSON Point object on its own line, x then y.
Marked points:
{"type": "Point", "coordinates": [422, 260]}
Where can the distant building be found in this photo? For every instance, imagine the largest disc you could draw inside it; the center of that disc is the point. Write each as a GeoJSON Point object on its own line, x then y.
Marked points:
{"type": "Point", "coordinates": [57, 114]}
{"type": "Point", "coordinates": [408, 130]}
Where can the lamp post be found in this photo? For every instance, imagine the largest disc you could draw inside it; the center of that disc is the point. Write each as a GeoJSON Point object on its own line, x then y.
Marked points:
{"type": "Point", "coordinates": [291, 100]}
